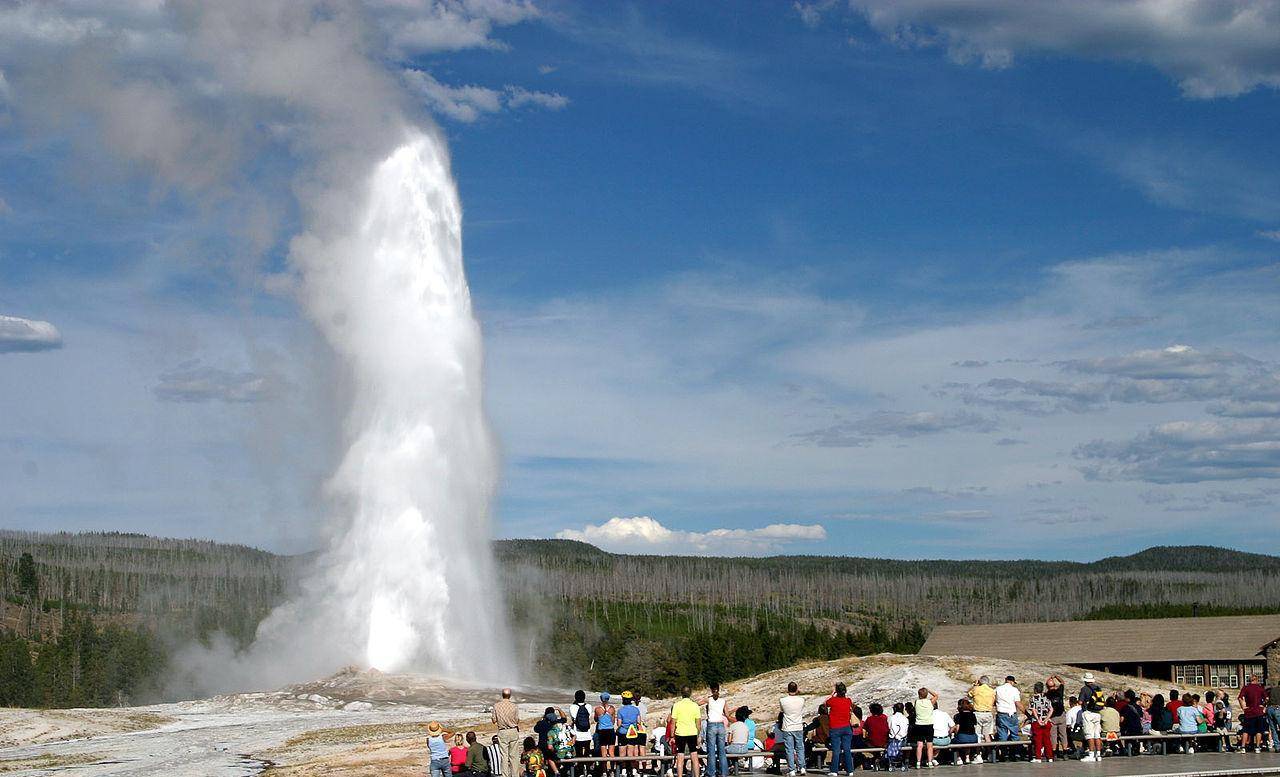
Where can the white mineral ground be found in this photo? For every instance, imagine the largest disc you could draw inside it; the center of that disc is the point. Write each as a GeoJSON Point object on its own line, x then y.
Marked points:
{"type": "Point", "coordinates": [357, 723]}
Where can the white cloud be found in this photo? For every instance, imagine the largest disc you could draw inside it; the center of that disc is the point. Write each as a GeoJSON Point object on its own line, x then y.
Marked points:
{"type": "Point", "coordinates": [22, 334]}
{"type": "Point", "coordinates": [461, 103]}
{"type": "Point", "coordinates": [469, 103]}
{"type": "Point", "coordinates": [642, 534]}
{"type": "Point", "coordinates": [1212, 49]}
{"type": "Point", "coordinates": [518, 97]}
{"type": "Point", "coordinates": [1269, 234]}
{"type": "Point", "coordinates": [448, 25]}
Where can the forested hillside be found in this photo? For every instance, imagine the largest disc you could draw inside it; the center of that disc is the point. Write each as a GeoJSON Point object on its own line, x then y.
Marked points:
{"type": "Point", "coordinates": [865, 590]}
{"type": "Point", "coordinates": [90, 618]}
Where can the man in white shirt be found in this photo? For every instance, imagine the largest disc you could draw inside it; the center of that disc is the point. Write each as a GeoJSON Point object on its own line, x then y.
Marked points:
{"type": "Point", "coordinates": [716, 734]}
{"type": "Point", "coordinates": [943, 728]}
{"type": "Point", "coordinates": [578, 720]}
{"type": "Point", "coordinates": [793, 729]}
{"type": "Point", "coordinates": [1072, 719]}
{"type": "Point", "coordinates": [1008, 709]}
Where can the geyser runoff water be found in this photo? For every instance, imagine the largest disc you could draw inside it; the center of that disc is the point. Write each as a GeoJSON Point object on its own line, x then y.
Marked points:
{"type": "Point", "coordinates": [409, 583]}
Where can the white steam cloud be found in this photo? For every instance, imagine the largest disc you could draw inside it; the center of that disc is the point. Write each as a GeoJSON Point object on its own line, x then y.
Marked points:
{"type": "Point", "coordinates": [195, 94]}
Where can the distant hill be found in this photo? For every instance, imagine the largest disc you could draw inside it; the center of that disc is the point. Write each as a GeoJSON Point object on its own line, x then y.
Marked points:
{"type": "Point", "coordinates": [858, 590]}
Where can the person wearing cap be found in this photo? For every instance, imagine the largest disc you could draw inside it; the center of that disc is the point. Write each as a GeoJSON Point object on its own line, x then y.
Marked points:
{"type": "Point", "coordinates": [631, 734]}
{"type": "Point", "coordinates": [1009, 708]}
{"type": "Point", "coordinates": [438, 746]}
{"type": "Point", "coordinates": [506, 716]}
{"type": "Point", "coordinates": [606, 717]}
{"type": "Point", "coordinates": [1092, 704]}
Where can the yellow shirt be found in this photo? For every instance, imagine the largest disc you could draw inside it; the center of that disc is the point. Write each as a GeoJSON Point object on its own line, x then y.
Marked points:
{"type": "Point", "coordinates": [984, 698]}
{"type": "Point", "coordinates": [686, 714]}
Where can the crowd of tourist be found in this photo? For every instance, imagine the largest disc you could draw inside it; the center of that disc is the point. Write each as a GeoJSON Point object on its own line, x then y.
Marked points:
{"type": "Point", "coordinates": [710, 737]}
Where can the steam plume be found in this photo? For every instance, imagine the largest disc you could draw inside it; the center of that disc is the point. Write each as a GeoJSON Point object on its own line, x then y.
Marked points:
{"type": "Point", "coordinates": [196, 95]}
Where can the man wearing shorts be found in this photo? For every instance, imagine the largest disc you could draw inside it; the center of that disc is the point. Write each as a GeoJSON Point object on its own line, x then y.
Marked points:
{"type": "Point", "coordinates": [983, 697]}
{"type": "Point", "coordinates": [685, 718]}
{"type": "Point", "coordinates": [1091, 718]}
{"type": "Point", "coordinates": [1253, 701]}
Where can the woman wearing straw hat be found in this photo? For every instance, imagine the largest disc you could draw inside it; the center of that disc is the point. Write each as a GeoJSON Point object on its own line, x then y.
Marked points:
{"type": "Point", "coordinates": [438, 744]}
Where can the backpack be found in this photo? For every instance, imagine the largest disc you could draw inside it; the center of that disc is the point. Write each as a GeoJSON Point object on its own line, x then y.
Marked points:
{"type": "Point", "coordinates": [562, 741]}
{"type": "Point", "coordinates": [534, 762]}
{"type": "Point", "coordinates": [582, 719]}
{"type": "Point", "coordinates": [1096, 701]}
{"type": "Point", "coordinates": [633, 724]}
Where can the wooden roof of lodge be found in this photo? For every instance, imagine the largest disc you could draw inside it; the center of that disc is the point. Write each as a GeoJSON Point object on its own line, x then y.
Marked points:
{"type": "Point", "coordinates": [1230, 638]}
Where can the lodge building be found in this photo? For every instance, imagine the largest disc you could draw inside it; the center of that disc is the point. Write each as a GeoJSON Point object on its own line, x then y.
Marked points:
{"type": "Point", "coordinates": [1218, 652]}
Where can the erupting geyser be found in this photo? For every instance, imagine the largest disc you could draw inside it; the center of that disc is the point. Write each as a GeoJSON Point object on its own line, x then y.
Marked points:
{"type": "Point", "coordinates": [409, 582]}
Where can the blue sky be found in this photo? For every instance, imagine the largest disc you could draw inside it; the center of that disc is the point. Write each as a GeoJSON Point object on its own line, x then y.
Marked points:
{"type": "Point", "coordinates": [963, 279]}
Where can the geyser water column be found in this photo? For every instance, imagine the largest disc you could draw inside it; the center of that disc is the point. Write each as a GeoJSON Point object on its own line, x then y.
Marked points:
{"type": "Point", "coordinates": [411, 575]}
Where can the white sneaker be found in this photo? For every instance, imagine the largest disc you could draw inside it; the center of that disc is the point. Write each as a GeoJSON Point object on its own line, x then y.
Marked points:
{"type": "Point", "coordinates": [977, 758]}
{"type": "Point", "coordinates": [1035, 760]}
{"type": "Point", "coordinates": [791, 774]}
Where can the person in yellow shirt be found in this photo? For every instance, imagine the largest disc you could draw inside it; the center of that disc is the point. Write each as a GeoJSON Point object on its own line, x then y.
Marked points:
{"type": "Point", "coordinates": [685, 718]}
{"type": "Point", "coordinates": [983, 697]}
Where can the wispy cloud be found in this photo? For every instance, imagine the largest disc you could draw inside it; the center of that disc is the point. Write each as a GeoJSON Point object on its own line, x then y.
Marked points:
{"type": "Point", "coordinates": [887, 423]}
{"type": "Point", "coordinates": [469, 102]}
{"type": "Point", "coordinates": [1211, 49]}
{"type": "Point", "coordinates": [195, 383]}
{"type": "Point", "coordinates": [1189, 452]}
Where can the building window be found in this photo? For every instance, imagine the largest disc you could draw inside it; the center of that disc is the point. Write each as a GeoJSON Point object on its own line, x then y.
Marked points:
{"type": "Point", "coordinates": [1224, 676]}
{"type": "Point", "coordinates": [1188, 674]}
{"type": "Point", "coordinates": [1257, 670]}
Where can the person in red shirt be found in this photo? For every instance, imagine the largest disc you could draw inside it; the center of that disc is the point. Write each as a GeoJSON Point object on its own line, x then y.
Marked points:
{"type": "Point", "coordinates": [1175, 701]}
{"type": "Point", "coordinates": [875, 727]}
{"type": "Point", "coordinates": [1253, 700]}
{"type": "Point", "coordinates": [840, 716]}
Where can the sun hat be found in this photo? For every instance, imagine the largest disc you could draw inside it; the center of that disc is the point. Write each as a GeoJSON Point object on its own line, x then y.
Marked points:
{"type": "Point", "coordinates": [1088, 677]}
{"type": "Point", "coordinates": [604, 696]}
{"type": "Point", "coordinates": [434, 728]}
